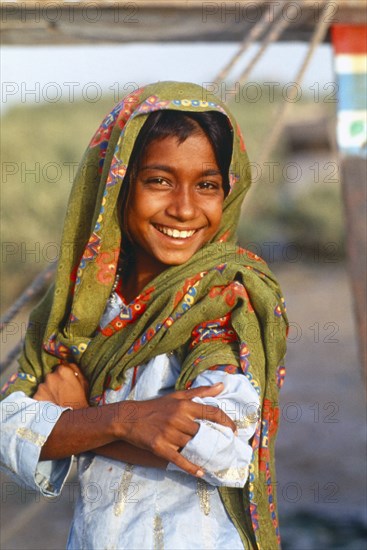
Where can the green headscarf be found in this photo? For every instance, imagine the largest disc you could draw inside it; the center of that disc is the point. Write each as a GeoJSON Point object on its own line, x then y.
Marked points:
{"type": "Point", "coordinates": [219, 279]}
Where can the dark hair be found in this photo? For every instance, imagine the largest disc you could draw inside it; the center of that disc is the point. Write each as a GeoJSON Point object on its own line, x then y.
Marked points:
{"type": "Point", "coordinates": [162, 124]}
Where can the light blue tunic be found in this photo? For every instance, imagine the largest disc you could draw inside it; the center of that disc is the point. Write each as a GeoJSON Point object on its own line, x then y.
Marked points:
{"type": "Point", "coordinates": [122, 506]}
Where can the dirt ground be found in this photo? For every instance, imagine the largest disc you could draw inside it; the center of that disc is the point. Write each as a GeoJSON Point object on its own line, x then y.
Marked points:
{"type": "Point", "coordinates": [321, 447]}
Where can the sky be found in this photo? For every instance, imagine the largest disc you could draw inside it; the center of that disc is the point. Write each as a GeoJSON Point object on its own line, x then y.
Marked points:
{"type": "Point", "coordinates": [56, 73]}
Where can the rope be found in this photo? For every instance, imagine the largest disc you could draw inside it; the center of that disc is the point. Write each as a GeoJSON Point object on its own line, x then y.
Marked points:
{"type": "Point", "coordinates": [279, 26]}
{"type": "Point", "coordinates": [259, 29]}
{"type": "Point", "coordinates": [282, 114]}
{"type": "Point", "coordinates": [30, 292]}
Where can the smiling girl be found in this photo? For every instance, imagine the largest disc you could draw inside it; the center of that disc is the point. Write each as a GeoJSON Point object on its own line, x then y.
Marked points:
{"type": "Point", "coordinates": [157, 356]}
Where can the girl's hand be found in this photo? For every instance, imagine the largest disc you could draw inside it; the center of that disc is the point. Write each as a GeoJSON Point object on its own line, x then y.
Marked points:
{"type": "Point", "coordinates": [163, 426]}
{"type": "Point", "coordinates": [66, 386]}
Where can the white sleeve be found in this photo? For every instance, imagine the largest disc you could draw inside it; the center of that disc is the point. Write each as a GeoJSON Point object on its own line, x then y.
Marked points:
{"type": "Point", "coordinates": [25, 427]}
{"type": "Point", "coordinates": [222, 455]}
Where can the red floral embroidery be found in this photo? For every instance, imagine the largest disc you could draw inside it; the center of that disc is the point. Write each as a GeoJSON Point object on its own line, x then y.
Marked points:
{"type": "Point", "coordinates": [224, 238]}
{"type": "Point", "coordinates": [270, 421]}
{"type": "Point", "coordinates": [120, 114]}
{"type": "Point", "coordinates": [56, 348]}
{"type": "Point", "coordinates": [230, 369]}
{"type": "Point", "coordinates": [73, 277]}
{"type": "Point", "coordinates": [230, 292]}
{"type": "Point", "coordinates": [251, 255]}
{"type": "Point", "coordinates": [218, 329]}
{"type": "Point", "coordinates": [107, 262]}
{"type": "Point", "coordinates": [102, 134]}
{"type": "Point", "coordinates": [129, 314]}
{"type": "Point", "coordinates": [187, 284]}
{"type": "Point", "coordinates": [129, 105]}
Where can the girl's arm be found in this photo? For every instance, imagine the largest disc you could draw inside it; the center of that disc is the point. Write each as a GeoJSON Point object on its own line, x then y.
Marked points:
{"type": "Point", "coordinates": [121, 450]}
{"type": "Point", "coordinates": [223, 456]}
{"type": "Point", "coordinates": [25, 426]}
{"type": "Point", "coordinates": [161, 426]}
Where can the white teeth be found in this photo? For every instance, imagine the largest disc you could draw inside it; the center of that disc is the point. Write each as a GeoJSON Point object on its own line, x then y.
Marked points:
{"type": "Point", "coordinates": [175, 233]}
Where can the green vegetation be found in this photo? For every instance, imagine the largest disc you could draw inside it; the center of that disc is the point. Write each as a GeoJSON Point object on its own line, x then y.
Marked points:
{"type": "Point", "coordinates": [295, 198]}
{"type": "Point", "coordinates": [41, 146]}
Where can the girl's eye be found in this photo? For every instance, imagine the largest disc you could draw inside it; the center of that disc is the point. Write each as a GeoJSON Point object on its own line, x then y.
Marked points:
{"type": "Point", "coordinates": [209, 185]}
{"type": "Point", "coordinates": [157, 181]}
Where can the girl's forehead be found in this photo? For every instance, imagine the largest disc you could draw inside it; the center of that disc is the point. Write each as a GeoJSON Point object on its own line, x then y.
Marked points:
{"type": "Point", "coordinates": [194, 146]}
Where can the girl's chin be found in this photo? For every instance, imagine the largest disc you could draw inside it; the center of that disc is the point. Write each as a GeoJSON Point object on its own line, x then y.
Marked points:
{"type": "Point", "coordinates": [175, 259]}
{"type": "Point", "coordinates": [173, 251]}
{"type": "Point", "coordinates": [155, 264]}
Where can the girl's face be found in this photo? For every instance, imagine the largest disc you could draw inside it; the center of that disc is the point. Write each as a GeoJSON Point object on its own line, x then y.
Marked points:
{"type": "Point", "coordinates": [176, 202]}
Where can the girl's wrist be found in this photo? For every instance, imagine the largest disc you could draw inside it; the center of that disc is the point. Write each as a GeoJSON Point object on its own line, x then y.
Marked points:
{"type": "Point", "coordinates": [123, 415]}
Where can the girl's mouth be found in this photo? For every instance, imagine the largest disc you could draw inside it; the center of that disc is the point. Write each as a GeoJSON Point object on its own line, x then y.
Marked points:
{"type": "Point", "coordinates": [175, 233]}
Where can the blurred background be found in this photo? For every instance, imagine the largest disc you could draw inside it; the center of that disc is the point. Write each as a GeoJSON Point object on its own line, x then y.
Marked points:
{"type": "Point", "coordinates": [53, 99]}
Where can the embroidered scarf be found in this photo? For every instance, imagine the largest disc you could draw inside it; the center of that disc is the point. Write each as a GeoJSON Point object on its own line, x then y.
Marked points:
{"type": "Point", "coordinates": [220, 279]}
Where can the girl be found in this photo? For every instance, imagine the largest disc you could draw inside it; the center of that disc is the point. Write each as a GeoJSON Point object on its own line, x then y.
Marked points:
{"type": "Point", "coordinates": [151, 296]}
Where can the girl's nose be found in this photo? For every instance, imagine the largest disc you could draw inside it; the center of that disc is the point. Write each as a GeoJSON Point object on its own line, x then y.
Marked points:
{"type": "Point", "coordinates": [183, 205]}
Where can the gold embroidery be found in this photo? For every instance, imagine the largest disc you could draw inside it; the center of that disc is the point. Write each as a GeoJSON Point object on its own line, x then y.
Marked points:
{"type": "Point", "coordinates": [158, 533]}
{"type": "Point", "coordinates": [204, 497]}
{"type": "Point", "coordinates": [213, 425]}
{"type": "Point", "coordinates": [243, 423]}
{"type": "Point", "coordinates": [232, 474]}
{"type": "Point", "coordinates": [123, 490]}
{"type": "Point", "coordinates": [33, 437]}
{"type": "Point", "coordinates": [248, 419]}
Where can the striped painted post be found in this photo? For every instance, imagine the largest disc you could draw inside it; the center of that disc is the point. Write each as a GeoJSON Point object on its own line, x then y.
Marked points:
{"type": "Point", "coordinates": [350, 47]}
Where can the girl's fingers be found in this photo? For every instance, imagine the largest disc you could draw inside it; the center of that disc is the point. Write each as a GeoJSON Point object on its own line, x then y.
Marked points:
{"type": "Point", "coordinates": [184, 464]}
{"type": "Point", "coordinates": [181, 439]}
{"type": "Point", "coordinates": [200, 411]}
{"type": "Point", "coordinates": [189, 427]}
{"type": "Point", "coordinates": [202, 391]}
{"type": "Point", "coordinates": [214, 414]}
{"type": "Point", "coordinates": [67, 368]}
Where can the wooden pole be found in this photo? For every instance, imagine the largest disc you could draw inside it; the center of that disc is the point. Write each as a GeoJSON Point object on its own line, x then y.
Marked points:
{"type": "Point", "coordinates": [354, 177]}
